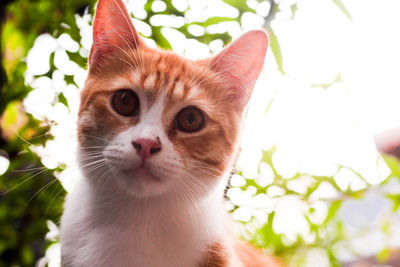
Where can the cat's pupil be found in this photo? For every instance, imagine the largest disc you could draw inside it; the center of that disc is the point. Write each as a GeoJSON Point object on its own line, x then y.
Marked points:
{"type": "Point", "coordinates": [190, 118]}
{"type": "Point", "coordinates": [125, 99]}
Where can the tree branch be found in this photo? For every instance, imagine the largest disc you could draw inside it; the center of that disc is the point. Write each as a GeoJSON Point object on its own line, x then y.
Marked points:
{"type": "Point", "coordinates": [271, 14]}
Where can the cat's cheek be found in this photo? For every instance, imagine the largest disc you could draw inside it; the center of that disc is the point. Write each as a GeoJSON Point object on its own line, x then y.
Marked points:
{"type": "Point", "coordinates": [206, 155]}
{"type": "Point", "coordinates": [86, 127]}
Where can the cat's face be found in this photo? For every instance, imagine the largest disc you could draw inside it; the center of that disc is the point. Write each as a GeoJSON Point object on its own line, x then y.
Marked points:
{"type": "Point", "coordinates": [162, 122]}
{"type": "Point", "coordinates": [154, 122]}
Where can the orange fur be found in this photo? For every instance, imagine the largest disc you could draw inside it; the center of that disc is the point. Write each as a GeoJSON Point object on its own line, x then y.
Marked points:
{"type": "Point", "coordinates": [252, 257]}
{"type": "Point", "coordinates": [218, 256]}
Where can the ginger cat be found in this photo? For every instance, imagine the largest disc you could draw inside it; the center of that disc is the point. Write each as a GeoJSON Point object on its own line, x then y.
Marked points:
{"type": "Point", "coordinates": [158, 136]}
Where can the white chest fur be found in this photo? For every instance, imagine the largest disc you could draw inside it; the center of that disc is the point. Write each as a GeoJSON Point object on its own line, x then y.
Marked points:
{"type": "Point", "coordinates": [109, 228]}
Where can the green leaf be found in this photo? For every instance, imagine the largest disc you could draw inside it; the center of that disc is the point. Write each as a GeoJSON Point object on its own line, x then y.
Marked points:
{"type": "Point", "coordinates": [393, 164]}
{"type": "Point", "coordinates": [396, 201]}
{"type": "Point", "coordinates": [267, 155]}
{"type": "Point", "coordinates": [333, 260]}
{"type": "Point", "coordinates": [267, 237]}
{"type": "Point", "coordinates": [160, 39]}
{"type": "Point", "coordinates": [333, 209]}
{"type": "Point", "coordinates": [338, 79]}
{"type": "Point", "coordinates": [276, 50]}
{"type": "Point", "coordinates": [213, 20]}
{"type": "Point", "coordinates": [383, 255]}
{"type": "Point", "coordinates": [240, 5]}
{"type": "Point", "coordinates": [294, 9]}
{"type": "Point", "coordinates": [341, 6]}
{"type": "Point", "coordinates": [62, 99]}
{"type": "Point", "coordinates": [270, 104]}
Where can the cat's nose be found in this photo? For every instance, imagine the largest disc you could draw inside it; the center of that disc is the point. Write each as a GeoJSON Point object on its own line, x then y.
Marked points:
{"type": "Point", "coordinates": [147, 147]}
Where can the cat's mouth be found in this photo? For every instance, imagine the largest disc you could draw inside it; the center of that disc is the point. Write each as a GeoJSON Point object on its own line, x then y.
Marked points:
{"type": "Point", "coordinates": [140, 173]}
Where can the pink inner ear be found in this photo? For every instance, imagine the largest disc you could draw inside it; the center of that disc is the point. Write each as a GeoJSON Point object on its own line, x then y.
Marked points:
{"type": "Point", "coordinates": [112, 30]}
{"type": "Point", "coordinates": [241, 63]}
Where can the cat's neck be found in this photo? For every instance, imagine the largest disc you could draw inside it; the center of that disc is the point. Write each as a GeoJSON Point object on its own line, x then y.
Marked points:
{"type": "Point", "coordinates": [138, 227]}
{"type": "Point", "coordinates": [115, 201]}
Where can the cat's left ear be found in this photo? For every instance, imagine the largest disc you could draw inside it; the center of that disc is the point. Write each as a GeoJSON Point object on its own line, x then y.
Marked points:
{"type": "Point", "coordinates": [113, 31]}
{"type": "Point", "coordinates": [240, 64]}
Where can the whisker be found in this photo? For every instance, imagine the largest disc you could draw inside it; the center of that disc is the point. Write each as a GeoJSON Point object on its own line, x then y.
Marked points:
{"type": "Point", "coordinates": [94, 163]}
{"type": "Point", "coordinates": [21, 183]}
{"type": "Point", "coordinates": [98, 138]}
{"type": "Point", "coordinates": [29, 169]}
{"type": "Point", "coordinates": [41, 190]}
{"type": "Point", "coordinates": [54, 199]}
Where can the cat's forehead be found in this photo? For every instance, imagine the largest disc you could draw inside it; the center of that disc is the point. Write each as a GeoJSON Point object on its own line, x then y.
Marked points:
{"type": "Point", "coordinates": [167, 75]}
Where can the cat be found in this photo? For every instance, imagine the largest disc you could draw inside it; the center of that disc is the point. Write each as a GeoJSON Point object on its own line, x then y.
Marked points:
{"type": "Point", "coordinates": [158, 136]}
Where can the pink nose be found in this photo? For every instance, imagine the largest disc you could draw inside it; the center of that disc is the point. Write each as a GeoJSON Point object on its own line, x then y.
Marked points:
{"type": "Point", "coordinates": [147, 147]}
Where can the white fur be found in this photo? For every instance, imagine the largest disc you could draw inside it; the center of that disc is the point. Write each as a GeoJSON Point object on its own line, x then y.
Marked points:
{"type": "Point", "coordinates": [150, 81]}
{"type": "Point", "coordinates": [179, 89]}
{"type": "Point", "coordinates": [109, 228]}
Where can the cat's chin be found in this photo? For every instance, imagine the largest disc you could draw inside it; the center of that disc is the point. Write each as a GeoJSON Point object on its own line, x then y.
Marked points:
{"type": "Point", "coordinates": [139, 173]}
{"type": "Point", "coordinates": [141, 183]}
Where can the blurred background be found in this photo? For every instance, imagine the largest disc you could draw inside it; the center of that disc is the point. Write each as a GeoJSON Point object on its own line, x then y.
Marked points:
{"type": "Point", "coordinates": [314, 184]}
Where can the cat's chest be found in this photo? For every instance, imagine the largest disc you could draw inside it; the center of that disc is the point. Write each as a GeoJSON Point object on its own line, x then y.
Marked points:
{"type": "Point", "coordinates": [142, 246]}
{"type": "Point", "coordinates": [127, 237]}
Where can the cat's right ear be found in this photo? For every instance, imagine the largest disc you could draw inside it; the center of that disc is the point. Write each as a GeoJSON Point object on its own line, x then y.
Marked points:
{"type": "Point", "coordinates": [113, 31]}
{"type": "Point", "coordinates": [240, 64]}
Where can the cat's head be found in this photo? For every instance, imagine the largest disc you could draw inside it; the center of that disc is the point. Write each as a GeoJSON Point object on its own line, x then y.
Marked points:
{"type": "Point", "coordinates": [154, 122]}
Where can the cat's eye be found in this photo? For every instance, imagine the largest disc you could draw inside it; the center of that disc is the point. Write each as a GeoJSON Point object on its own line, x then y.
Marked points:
{"type": "Point", "coordinates": [125, 102]}
{"type": "Point", "coordinates": [190, 119]}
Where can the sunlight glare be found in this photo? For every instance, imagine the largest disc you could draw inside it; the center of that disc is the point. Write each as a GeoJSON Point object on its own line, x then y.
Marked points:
{"type": "Point", "coordinates": [4, 164]}
{"type": "Point", "coordinates": [38, 59]}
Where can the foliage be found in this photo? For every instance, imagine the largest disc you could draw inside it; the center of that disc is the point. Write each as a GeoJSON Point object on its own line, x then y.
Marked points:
{"type": "Point", "coordinates": [30, 192]}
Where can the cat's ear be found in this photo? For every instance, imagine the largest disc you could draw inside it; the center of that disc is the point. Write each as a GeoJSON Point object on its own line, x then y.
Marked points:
{"type": "Point", "coordinates": [112, 30]}
{"type": "Point", "coordinates": [241, 62]}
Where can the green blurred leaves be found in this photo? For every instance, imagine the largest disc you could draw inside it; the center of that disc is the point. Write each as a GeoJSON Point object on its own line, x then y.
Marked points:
{"type": "Point", "coordinates": [29, 193]}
